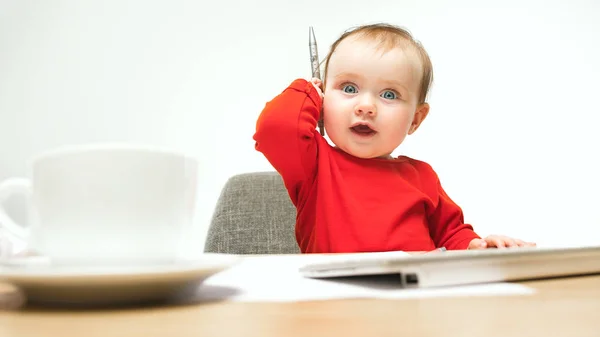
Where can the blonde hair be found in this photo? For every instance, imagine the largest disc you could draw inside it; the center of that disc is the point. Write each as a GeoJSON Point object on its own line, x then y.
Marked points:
{"type": "Point", "coordinates": [389, 37]}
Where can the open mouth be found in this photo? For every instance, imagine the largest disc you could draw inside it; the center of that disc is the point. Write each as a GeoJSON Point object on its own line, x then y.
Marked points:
{"type": "Point", "coordinates": [363, 130]}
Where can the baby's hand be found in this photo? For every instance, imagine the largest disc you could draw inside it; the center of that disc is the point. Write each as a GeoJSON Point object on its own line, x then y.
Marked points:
{"type": "Point", "coordinates": [317, 84]}
{"type": "Point", "coordinates": [498, 241]}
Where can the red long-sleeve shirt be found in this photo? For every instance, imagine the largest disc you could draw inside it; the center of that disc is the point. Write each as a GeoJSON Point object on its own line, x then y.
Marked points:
{"type": "Point", "coordinates": [350, 204]}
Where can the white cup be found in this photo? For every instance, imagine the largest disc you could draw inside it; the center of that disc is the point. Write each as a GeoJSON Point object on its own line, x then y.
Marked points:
{"type": "Point", "coordinates": [106, 202]}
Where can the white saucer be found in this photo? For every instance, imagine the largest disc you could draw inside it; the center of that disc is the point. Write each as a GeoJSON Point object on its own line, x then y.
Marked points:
{"type": "Point", "coordinates": [84, 283]}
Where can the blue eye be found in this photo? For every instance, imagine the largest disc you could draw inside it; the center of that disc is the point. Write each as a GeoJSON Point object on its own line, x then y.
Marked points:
{"type": "Point", "coordinates": [388, 94]}
{"type": "Point", "coordinates": [350, 89]}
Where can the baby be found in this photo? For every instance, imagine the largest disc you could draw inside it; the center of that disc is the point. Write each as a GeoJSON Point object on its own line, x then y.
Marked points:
{"type": "Point", "coordinates": [354, 196]}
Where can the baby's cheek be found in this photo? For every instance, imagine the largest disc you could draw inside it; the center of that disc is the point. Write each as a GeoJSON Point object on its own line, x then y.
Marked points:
{"type": "Point", "coordinates": [406, 123]}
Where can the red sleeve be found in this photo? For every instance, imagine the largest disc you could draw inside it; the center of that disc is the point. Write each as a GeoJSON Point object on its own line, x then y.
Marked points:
{"type": "Point", "coordinates": [286, 131]}
{"type": "Point", "coordinates": [446, 223]}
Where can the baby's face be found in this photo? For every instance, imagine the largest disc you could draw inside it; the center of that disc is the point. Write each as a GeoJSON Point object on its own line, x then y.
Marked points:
{"type": "Point", "coordinates": [371, 97]}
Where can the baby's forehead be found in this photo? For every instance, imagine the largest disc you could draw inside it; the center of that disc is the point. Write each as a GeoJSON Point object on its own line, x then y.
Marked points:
{"type": "Point", "coordinates": [391, 49]}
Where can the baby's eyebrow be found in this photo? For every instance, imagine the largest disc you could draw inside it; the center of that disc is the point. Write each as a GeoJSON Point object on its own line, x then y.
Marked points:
{"type": "Point", "coordinates": [395, 83]}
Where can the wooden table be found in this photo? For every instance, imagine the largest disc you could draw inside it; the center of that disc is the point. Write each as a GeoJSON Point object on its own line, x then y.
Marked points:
{"type": "Point", "coordinates": [560, 307]}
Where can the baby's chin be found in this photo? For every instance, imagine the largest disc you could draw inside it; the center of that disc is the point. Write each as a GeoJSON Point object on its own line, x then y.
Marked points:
{"type": "Point", "coordinates": [365, 154]}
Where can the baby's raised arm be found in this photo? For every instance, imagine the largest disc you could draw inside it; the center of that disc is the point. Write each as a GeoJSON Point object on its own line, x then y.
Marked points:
{"type": "Point", "coordinates": [286, 131]}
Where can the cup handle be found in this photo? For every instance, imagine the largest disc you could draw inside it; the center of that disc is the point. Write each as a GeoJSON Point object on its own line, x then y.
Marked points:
{"type": "Point", "coordinates": [8, 188]}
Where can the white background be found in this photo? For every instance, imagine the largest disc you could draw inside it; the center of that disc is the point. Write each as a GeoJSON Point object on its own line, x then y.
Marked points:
{"type": "Point", "coordinates": [512, 129]}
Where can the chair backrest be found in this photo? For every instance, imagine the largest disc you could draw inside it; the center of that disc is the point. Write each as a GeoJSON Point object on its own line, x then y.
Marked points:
{"type": "Point", "coordinates": [253, 215]}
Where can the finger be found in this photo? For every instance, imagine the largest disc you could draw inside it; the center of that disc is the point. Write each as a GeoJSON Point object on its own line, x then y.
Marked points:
{"type": "Point", "coordinates": [520, 243]}
{"type": "Point", "coordinates": [477, 244]}
{"type": "Point", "coordinates": [317, 89]}
{"type": "Point", "coordinates": [496, 242]}
{"type": "Point", "coordinates": [509, 242]}
{"type": "Point", "coordinates": [316, 84]}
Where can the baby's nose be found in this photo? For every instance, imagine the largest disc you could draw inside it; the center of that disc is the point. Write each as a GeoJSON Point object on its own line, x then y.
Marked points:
{"type": "Point", "coordinates": [366, 107]}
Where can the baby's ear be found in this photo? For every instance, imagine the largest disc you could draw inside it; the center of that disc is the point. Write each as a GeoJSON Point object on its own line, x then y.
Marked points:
{"type": "Point", "coordinates": [420, 115]}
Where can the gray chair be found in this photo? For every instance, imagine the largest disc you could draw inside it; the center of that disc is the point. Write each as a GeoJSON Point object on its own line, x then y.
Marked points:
{"type": "Point", "coordinates": [253, 215]}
